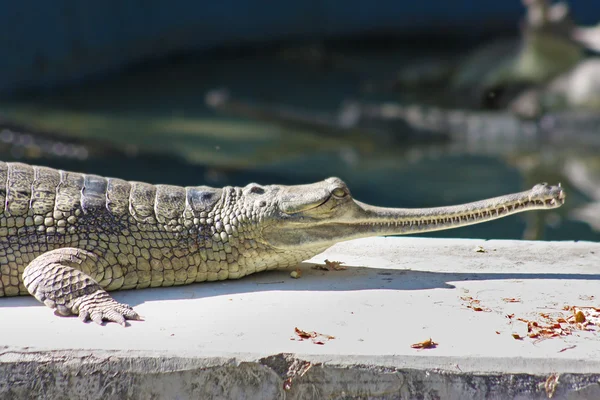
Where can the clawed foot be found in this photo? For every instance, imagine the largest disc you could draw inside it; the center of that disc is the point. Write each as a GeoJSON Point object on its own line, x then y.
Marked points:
{"type": "Point", "coordinates": [99, 307]}
{"type": "Point", "coordinates": [56, 278]}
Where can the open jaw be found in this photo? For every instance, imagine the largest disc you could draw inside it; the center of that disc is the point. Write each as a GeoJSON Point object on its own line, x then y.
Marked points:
{"type": "Point", "coordinates": [358, 220]}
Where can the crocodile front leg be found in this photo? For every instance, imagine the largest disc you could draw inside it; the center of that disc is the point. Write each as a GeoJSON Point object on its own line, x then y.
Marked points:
{"type": "Point", "coordinates": [62, 280]}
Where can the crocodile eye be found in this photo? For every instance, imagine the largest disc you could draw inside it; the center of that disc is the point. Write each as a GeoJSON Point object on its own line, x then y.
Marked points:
{"type": "Point", "coordinates": [339, 192]}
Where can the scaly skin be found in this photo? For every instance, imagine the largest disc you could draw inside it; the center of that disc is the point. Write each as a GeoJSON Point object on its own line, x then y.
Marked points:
{"type": "Point", "coordinates": [68, 238]}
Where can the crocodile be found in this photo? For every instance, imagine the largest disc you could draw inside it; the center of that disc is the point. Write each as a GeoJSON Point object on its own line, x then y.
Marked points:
{"type": "Point", "coordinates": [421, 126]}
{"type": "Point", "coordinates": [26, 142]}
{"type": "Point", "coordinates": [69, 238]}
{"type": "Point", "coordinates": [498, 130]}
{"type": "Point", "coordinates": [347, 123]}
{"type": "Point", "coordinates": [491, 75]}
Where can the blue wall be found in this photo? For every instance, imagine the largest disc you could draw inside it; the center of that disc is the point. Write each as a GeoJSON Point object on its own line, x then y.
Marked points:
{"type": "Point", "coordinates": [48, 42]}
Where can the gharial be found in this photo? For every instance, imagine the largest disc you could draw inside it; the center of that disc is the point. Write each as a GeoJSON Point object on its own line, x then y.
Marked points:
{"type": "Point", "coordinates": [69, 238]}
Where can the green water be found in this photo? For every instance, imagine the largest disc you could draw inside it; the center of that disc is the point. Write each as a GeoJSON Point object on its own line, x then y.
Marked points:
{"type": "Point", "coordinates": [160, 110]}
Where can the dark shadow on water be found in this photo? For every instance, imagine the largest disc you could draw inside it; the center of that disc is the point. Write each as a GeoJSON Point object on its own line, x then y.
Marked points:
{"type": "Point", "coordinates": [354, 278]}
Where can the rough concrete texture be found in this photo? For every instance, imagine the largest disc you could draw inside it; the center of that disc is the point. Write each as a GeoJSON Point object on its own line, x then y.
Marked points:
{"type": "Point", "coordinates": [233, 339]}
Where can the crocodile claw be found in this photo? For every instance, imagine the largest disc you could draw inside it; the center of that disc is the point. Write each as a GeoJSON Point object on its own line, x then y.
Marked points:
{"type": "Point", "coordinates": [100, 307]}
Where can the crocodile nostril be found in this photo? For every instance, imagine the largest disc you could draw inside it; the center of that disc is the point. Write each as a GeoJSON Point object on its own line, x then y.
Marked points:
{"type": "Point", "coordinates": [257, 190]}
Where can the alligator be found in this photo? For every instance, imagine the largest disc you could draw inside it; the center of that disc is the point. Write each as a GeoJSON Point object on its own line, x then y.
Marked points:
{"type": "Point", "coordinates": [69, 238]}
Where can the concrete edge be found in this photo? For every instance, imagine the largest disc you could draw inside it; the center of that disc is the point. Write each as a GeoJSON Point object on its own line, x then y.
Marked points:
{"type": "Point", "coordinates": [26, 373]}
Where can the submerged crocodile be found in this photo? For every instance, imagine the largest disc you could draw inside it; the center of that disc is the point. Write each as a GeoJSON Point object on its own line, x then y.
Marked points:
{"type": "Point", "coordinates": [25, 142]}
{"type": "Point", "coordinates": [469, 131]}
{"type": "Point", "coordinates": [69, 238]}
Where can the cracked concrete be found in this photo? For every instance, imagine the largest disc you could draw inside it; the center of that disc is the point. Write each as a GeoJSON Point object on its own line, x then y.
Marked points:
{"type": "Point", "coordinates": [233, 339]}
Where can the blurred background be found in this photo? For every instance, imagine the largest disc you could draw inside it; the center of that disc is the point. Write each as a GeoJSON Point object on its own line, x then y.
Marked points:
{"type": "Point", "coordinates": [413, 104]}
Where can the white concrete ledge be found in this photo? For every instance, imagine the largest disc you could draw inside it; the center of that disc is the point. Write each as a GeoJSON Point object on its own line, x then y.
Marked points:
{"type": "Point", "coordinates": [233, 339]}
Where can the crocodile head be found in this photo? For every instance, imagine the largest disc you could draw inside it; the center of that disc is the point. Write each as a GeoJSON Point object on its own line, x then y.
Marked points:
{"type": "Point", "coordinates": [318, 215]}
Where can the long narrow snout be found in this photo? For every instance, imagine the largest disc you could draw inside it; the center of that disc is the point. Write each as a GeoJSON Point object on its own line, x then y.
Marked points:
{"type": "Point", "coordinates": [402, 221]}
{"type": "Point", "coordinates": [354, 219]}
